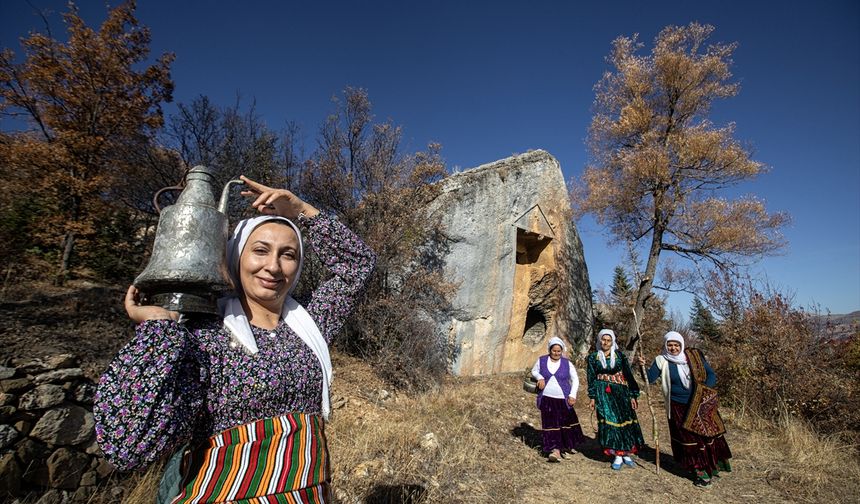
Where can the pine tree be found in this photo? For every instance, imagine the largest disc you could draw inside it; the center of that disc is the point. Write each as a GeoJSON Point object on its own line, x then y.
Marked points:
{"type": "Point", "coordinates": [702, 321]}
{"type": "Point", "coordinates": [621, 288]}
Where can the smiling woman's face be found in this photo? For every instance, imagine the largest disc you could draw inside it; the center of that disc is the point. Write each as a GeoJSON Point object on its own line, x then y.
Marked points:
{"type": "Point", "coordinates": [555, 352]}
{"type": "Point", "coordinates": [269, 264]}
{"type": "Point", "coordinates": [673, 347]}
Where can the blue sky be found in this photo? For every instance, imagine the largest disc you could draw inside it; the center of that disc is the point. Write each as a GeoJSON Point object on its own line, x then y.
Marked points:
{"type": "Point", "coordinates": [490, 79]}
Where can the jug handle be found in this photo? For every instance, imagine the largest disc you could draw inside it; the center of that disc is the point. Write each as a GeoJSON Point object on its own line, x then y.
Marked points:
{"type": "Point", "coordinates": [225, 195]}
{"type": "Point", "coordinates": [158, 194]}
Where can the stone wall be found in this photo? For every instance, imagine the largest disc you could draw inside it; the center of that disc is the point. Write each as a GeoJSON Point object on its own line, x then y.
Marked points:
{"type": "Point", "coordinates": [517, 258]}
{"type": "Point", "coordinates": [47, 436]}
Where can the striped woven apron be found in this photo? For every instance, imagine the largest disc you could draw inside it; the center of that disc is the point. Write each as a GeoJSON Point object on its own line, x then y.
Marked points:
{"type": "Point", "coordinates": [282, 459]}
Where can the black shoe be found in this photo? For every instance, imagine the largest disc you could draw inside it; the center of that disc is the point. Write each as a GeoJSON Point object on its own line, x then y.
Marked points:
{"type": "Point", "coordinates": [702, 482]}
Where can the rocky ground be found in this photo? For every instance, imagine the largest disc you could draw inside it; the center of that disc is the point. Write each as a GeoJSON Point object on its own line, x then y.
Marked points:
{"type": "Point", "coordinates": [84, 319]}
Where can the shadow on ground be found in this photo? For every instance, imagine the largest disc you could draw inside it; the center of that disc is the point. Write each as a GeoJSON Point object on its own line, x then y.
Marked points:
{"type": "Point", "coordinates": [530, 436]}
{"type": "Point", "coordinates": [645, 458]}
{"type": "Point", "coordinates": [395, 494]}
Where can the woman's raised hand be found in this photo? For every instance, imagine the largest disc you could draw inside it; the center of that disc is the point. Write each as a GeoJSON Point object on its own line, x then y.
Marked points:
{"type": "Point", "coordinates": [138, 312]}
{"type": "Point", "coordinates": [271, 201]}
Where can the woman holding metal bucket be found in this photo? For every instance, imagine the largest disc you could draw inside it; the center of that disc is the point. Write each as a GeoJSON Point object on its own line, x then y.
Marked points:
{"type": "Point", "coordinates": [557, 384]}
{"type": "Point", "coordinates": [249, 391]}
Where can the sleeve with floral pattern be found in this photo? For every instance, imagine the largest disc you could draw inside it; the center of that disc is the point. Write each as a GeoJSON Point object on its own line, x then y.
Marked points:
{"type": "Point", "coordinates": [349, 260]}
{"type": "Point", "coordinates": [150, 395]}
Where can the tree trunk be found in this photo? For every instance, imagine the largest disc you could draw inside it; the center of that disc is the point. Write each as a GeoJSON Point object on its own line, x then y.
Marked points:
{"type": "Point", "coordinates": [68, 246]}
{"type": "Point", "coordinates": [643, 292]}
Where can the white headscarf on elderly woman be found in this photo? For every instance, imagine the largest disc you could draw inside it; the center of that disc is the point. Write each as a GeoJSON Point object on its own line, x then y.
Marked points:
{"type": "Point", "coordinates": [600, 355]}
{"type": "Point", "coordinates": [679, 360]}
{"type": "Point", "coordinates": [555, 340]}
{"type": "Point", "coordinates": [292, 313]}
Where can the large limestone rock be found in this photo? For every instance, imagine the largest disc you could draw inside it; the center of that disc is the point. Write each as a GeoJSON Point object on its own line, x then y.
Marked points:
{"type": "Point", "coordinates": [513, 248]}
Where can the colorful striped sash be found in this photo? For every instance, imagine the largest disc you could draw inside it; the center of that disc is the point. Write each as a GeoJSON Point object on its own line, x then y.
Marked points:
{"type": "Point", "coordinates": [282, 459]}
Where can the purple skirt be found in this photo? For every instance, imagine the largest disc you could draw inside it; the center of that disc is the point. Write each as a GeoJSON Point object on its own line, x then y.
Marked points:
{"type": "Point", "coordinates": [559, 425]}
{"type": "Point", "coordinates": [692, 451]}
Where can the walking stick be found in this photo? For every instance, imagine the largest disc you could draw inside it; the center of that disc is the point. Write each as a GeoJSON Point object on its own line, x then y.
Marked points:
{"type": "Point", "coordinates": [648, 396]}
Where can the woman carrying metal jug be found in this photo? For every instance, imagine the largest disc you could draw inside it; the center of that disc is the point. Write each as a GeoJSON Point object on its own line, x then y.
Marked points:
{"type": "Point", "coordinates": [248, 391]}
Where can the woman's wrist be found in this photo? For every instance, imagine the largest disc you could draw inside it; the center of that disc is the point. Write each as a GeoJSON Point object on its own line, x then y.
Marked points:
{"type": "Point", "coordinates": [309, 211]}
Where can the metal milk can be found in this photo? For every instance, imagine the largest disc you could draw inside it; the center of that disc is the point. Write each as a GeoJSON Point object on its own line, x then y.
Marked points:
{"type": "Point", "coordinates": [187, 271]}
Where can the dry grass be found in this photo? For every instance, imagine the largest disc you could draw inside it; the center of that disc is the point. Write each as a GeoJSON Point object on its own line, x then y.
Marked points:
{"type": "Point", "coordinates": [808, 466]}
{"type": "Point", "coordinates": [145, 486]}
{"type": "Point", "coordinates": [453, 445]}
{"type": "Point", "coordinates": [487, 449]}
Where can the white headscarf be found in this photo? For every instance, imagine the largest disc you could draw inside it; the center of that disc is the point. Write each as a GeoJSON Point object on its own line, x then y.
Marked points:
{"type": "Point", "coordinates": [292, 313]}
{"type": "Point", "coordinates": [555, 340]}
{"type": "Point", "coordinates": [679, 360]}
{"type": "Point", "coordinates": [600, 354]}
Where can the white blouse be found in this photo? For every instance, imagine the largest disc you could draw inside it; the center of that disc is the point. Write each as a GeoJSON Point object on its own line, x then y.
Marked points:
{"type": "Point", "coordinates": [552, 387]}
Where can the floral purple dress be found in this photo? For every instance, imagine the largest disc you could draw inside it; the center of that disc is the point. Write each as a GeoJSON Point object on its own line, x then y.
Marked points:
{"type": "Point", "coordinates": [173, 383]}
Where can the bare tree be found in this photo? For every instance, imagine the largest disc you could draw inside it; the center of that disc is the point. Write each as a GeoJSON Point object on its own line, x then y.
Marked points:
{"type": "Point", "coordinates": [234, 141]}
{"type": "Point", "coordinates": [359, 173]}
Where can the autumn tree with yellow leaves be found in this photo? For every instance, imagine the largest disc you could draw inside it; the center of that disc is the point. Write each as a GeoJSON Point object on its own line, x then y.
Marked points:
{"type": "Point", "coordinates": [88, 111]}
{"type": "Point", "coordinates": [658, 163]}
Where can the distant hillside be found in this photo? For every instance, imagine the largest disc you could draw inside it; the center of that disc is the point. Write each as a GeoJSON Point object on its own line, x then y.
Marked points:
{"type": "Point", "coordinates": [849, 318]}
{"type": "Point", "coordinates": [839, 326]}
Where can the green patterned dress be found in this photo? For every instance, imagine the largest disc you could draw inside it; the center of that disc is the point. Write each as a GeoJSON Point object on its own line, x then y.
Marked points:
{"type": "Point", "coordinates": [612, 388]}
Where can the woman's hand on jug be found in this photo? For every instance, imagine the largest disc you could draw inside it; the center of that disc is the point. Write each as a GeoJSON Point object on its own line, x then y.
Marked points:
{"type": "Point", "coordinates": [271, 201]}
{"type": "Point", "coordinates": [139, 312]}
